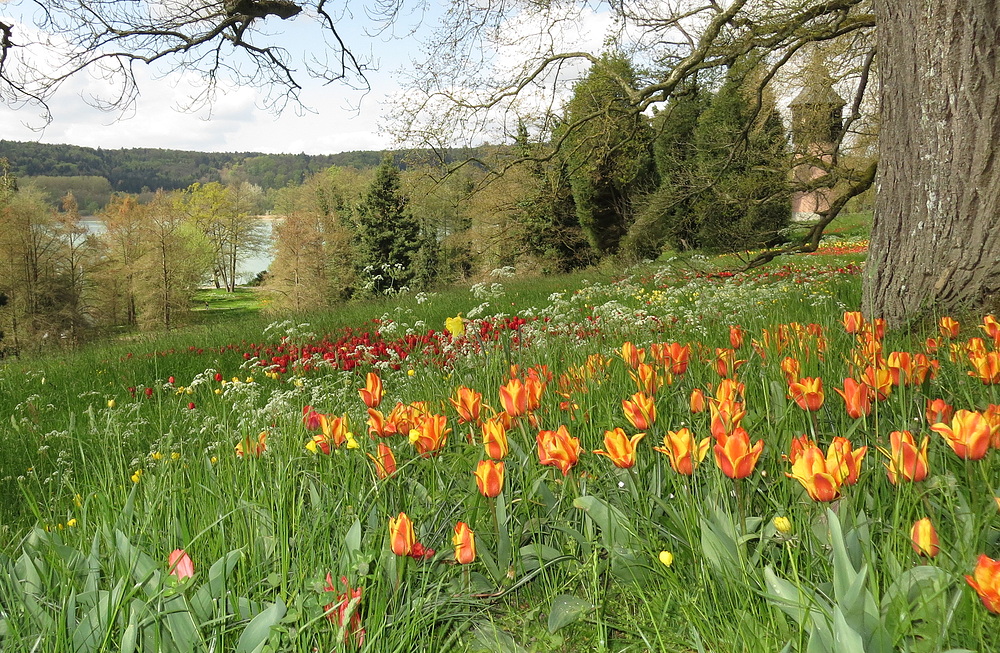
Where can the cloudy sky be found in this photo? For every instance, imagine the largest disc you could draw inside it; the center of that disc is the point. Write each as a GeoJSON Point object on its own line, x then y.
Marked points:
{"type": "Point", "coordinates": [339, 119]}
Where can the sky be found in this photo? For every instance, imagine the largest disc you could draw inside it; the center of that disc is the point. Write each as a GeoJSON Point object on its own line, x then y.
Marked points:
{"type": "Point", "coordinates": [339, 119]}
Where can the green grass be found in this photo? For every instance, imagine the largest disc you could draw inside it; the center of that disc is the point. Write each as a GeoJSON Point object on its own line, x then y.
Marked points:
{"type": "Point", "coordinates": [565, 562]}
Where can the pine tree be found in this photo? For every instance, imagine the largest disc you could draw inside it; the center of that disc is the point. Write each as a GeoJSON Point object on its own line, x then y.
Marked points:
{"type": "Point", "coordinates": [387, 234]}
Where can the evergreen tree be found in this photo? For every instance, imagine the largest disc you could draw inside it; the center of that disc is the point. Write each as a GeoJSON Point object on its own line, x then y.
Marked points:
{"type": "Point", "coordinates": [608, 151]}
{"type": "Point", "coordinates": [742, 164]}
{"type": "Point", "coordinates": [387, 234]}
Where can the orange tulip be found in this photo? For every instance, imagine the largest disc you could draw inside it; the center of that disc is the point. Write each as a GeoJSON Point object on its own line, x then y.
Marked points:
{"type": "Point", "coordinates": [991, 327]}
{"type": "Point", "coordinates": [924, 538]}
{"type": "Point", "coordinates": [817, 475]}
{"type": "Point", "coordinates": [923, 367]}
{"type": "Point", "coordinates": [697, 401]}
{"type": "Point", "coordinates": [467, 403]}
{"type": "Point", "coordinates": [736, 336]}
{"type": "Point", "coordinates": [514, 398]}
{"type": "Point", "coordinates": [248, 446]}
{"type": "Point", "coordinates": [938, 410]}
{"type": "Point", "coordinates": [878, 380]}
{"type": "Point", "coordinates": [985, 579]}
{"type": "Point", "coordinates": [620, 448]}
{"type": "Point", "coordinates": [799, 446]}
{"type": "Point", "coordinates": [640, 411]}
{"type": "Point", "coordinates": [632, 355]}
{"type": "Point", "coordinates": [430, 435]}
{"type": "Point", "coordinates": [558, 449]}
{"type": "Point", "coordinates": [495, 439]}
{"type": "Point", "coordinates": [906, 461]}
{"type": "Point", "coordinates": [335, 429]}
{"type": "Point", "coordinates": [372, 393]}
{"type": "Point", "coordinates": [735, 457]}
{"type": "Point", "coordinates": [726, 417]}
{"type": "Point", "coordinates": [986, 367]}
{"type": "Point", "coordinates": [968, 435]}
{"type": "Point", "coordinates": [901, 368]}
{"type": "Point", "coordinates": [726, 362]}
{"type": "Point", "coordinates": [385, 462]}
{"type": "Point", "coordinates": [807, 393]}
{"type": "Point", "coordinates": [533, 387]}
{"type": "Point", "coordinates": [377, 424]}
{"type": "Point", "coordinates": [992, 415]}
{"type": "Point", "coordinates": [949, 327]}
{"type": "Point", "coordinates": [647, 379]}
{"type": "Point", "coordinates": [401, 537]}
{"type": "Point", "coordinates": [489, 477]}
{"type": "Point", "coordinates": [680, 356]}
{"type": "Point", "coordinates": [853, 321]}
{"type": "Point", "coordinates": [847, 461]}
{"type": "Point", "coordinates": [790, 367]}
{"type": "Point", "coordinates": [729, 390]}
{"type": "Point", "coordinates": [856, 398]}
{"type": "Point", "coordinates": [465, 544]}
{"type": "Point", "coordinates": [682, 451]}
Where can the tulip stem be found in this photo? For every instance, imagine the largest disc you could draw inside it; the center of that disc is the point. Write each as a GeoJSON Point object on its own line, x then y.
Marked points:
{"type": "Point", "coordinates": [740, 509]}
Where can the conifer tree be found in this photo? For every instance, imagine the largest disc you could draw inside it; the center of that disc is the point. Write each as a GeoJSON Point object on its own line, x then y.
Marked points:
{"type": "Point", "coordinates": [387, 234]}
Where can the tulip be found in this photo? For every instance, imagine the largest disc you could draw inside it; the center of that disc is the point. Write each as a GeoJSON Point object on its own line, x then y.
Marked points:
{"type": "Point", "coordinates": [247, 445]}
{"type": "Point", "coordinates": [495, 439]}
{"type": "Point", "coordinates": [377, 424]}
{"type": "Point", "coordinates": [799, 446]}
{"type": "Point", "coordinates": [853, 321]}
{"type": "Point", "coordinates": [385, 461]}
{"type": "Point", "coordinates": [465, 544]}
{"type": "Point", "coordinates": [401, 537]}
{"type": "Point", "coordinates": [968, 435]}
{"type": "Point", "coordinates": [736, 336]}
{"type": "Point", "coordinates": [726, 417]}
{"type": "Point", "coordinates": [986, 367]}
{"type": "Point", "coordinates": [179, 564]}
{"type": "Point", "coordinates": [948, 327]}
{"type": "Point", "coordinates": [558, 449]}
{"type": "Point", "coordinates": [938, 410]}
{"type": "Point", "coordinates": [489, 477]}
{"type": "Point", "coordinates": [344, 612]}
{"type": "Point", "coordinates": [640, 411]}
{"type": "Point", "coordinates": [878, 380]}
{"type": "Point", "coordinates": [430, 435]}
{"type": "Point", "coordinates": [985, 579]}
{"type": "Point", "coordinates": [901, 367]}
{"type": "Point", "coordinates": [729, 390]}
{"type": "Point", "coordinates": [310, 418]}
{"type": "Point", "coordinates": [403, 418]}
{"type": "Point", "coordinates": [335, 429]}
{"type": "Point", "coordinates": [857, 398]}
{"type": "Point", "coordinates": [533, 387]}
{"type": "Point", "coordinates": [680, 356]}
{"type": "Point", "coordinates": [816, 474]}
{"type": "Point", "coordinates": [992, 415]}
{"type": "Point", "coordinates": [682, 451]}
{"type": "Point", "coordinates": [620, 448]}
{"type": "Point", "coordinates": [906, 461]}
{"type": "Point", "coordinates": [632, 355]}
{"type": "Point", "coordinates": [726, 362]}
{"type": "Point", "coordinates": [697, 401]}
{"type": "Point", "coordinates": [807, 393]}
{"type": "Point", "coordinates": [372, 393]}
{"type": "Point", "coordinates": [782, 524]}
{"type": "Point", "coordinates": [467, 404]}
{"type": "Point", "coordinates": [844, 460]}
{"type": "Point", "coordinates": [455, 326]}
{"type": "Point", "coordinates": [514, 398]}
{"type": "Point", "coordinates": [319, 443]}
{"type": "Point", "coordinates": [647, 379]}
{"type": "Point", "coordinates": [735, 457]}
{"type": "Point", "coordinates": [790, 367]}
{"type": "Point", "coordinates": [991, 327]}
{"type": "Point", "coordinates": [924, 538]}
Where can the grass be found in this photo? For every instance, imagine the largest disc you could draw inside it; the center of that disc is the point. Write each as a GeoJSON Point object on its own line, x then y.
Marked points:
{"type": "Point", "coordinates": [122, 452]}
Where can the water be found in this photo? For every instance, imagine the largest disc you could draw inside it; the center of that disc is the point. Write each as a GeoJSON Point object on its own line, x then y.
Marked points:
{"type": "Point", "coordinates": [249, 266]}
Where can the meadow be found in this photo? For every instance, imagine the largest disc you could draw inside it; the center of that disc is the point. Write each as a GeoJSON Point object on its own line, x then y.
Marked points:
{"type": "Point", "coordinates": [673, 457]}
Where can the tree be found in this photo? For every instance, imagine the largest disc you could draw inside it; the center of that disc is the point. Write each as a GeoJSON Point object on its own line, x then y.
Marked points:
{"type": "Point", "coordinates": [607, 150]}
{"type": "Point", "coordinates": [387, 235]}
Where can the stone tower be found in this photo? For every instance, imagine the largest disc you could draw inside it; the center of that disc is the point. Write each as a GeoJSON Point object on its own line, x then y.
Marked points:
{"type": "Point", "coordinates": [817, 122]}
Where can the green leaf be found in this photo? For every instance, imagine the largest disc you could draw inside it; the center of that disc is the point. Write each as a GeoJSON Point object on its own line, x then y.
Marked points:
{"type": "Point", "coordinates": [352, 541]}
{"type": "Point", "coordinates": [614, 525]}
{"type": "Point", "coordinates": [566, 609]}
{"type": "Point", "coordinates": [258, 630]}
{"type": "Point", "coordinates": [846, 639]}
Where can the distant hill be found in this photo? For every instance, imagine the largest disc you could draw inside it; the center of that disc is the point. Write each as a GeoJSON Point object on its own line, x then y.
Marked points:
{"type": "Point", "coordinates": [138, 169]}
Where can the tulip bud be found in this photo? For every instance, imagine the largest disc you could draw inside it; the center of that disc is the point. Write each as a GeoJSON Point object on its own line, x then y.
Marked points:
{"type": "Point", "coordinates": [783, 525]}
{"type": "Point", "coordinates": [924, 538]}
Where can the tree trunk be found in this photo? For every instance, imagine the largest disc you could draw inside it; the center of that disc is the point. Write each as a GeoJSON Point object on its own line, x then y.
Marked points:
{"type": "Point", "coordinates": [935, 244]}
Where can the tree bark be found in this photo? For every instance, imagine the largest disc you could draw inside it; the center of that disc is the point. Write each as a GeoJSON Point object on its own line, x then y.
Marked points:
{"type": "Point", "coordinates": [935, 243]}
